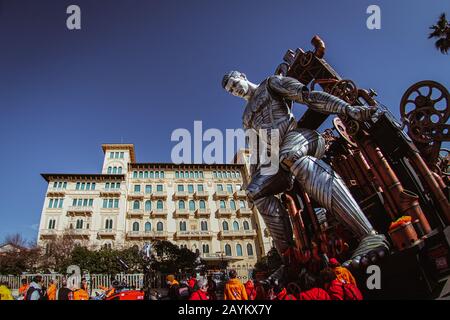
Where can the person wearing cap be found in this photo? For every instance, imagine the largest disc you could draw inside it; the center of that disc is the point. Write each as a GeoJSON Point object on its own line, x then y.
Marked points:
{"type": "Point", "coordinates": [234, 289]}
{"type": "Point", "coordinates": [342, 273]}
{"type": "Point", "coordinates": [202, 292]}
{"type": "Point", "coordinates": [174, 286]}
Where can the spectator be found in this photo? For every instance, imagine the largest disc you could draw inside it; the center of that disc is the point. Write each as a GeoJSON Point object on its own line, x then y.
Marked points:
{"type": "Point", "coordinates": [250, 289]}
{"type": "Point", "coordinates": [23, 288]}
{"type": "Point", "coordinates": [5, 293]}
{"type": "Point", "coordinates": [310, 289]}
{"type": "Point", "coordinates": [174, 287]}
{"type": "Point", "coordinates": [64, 293]}
{"type": "Point", "coordinates": [192, 283]}
{"type": "Point", "coordinates": [36, 290]}
{"type": "Point", "coordinates": [339, 290]}
{"type": "Point", "coordinates": [342, 273]}
{"type": "Point", "coordinates": [212, 287]}
{"type": "Point", "coordinates": [280, 293]}
{"type": "Point", "coordinates": [52, 288]}
{"type": "Point", "coordinates": [234, 289]}
{"type": "Point", "coordinates": [81, 293]}
{"type": "Point", "coordinates": [202, 292]}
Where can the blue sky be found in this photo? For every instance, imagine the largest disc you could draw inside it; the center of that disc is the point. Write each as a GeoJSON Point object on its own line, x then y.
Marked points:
{"type": "Point", "coordinates": [139, 69]}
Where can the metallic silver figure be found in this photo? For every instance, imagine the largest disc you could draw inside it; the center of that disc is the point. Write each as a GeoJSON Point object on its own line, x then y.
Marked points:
{"type": "Point", "coordinates": [269, 107]}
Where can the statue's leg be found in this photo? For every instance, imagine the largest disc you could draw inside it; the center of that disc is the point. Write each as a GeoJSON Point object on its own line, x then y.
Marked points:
{"type": "Point", "coordinates": [300, 152]}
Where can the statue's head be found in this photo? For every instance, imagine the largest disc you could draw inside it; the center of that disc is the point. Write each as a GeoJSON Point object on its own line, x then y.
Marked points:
{"type": "Point", "coordinates": [236, 83]}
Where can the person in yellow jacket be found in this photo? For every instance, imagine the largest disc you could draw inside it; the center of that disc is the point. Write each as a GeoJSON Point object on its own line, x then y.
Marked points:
{"type": "Point", "coordinates": [82, 292]}
{"type": "Point", "coordinates": [234, 289]}
{"type": "Point", "coordinates": [5, 293]}
{"type": "Point", "coordinates": [342, 273]}
{"type": "Point", "coordinates": [52, 288]}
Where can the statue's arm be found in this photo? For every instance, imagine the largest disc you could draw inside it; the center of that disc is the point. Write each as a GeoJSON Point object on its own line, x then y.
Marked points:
{"type": "Point", "coordinates": [292, 89]}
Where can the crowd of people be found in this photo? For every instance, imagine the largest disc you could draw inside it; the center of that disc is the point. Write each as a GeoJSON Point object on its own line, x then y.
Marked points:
{"type": "Point", "coordinates": [334, 282]}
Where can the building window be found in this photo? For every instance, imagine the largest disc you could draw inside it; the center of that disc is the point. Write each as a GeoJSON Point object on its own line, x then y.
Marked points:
{"type": "Point", "coordinates": [77, 186]}
{"type": "Point", "coordinates": [148, 227]}
{"type": "Point", "coordinates": [219, 187]}
{"type": "Point", "coordinates": [241, 204]}
{"type": "Point", "coordinates": [246, 225]}
{"type": "Point", "coordinates": [222, 204]}
{"type": "Point", "coordinates": [141, 175]}
{"type": "Point", "coordinates": [121, 155]}
{"type": "Point", "coordinates": [204, 226]}
{"type": "Point", "coordinates": [108, 224]}
{"type": "Point", "coordinates": [105, 202]}
{"type": "Point", "coordinates": [152, 175]}
{"type": "Point", "coordinates": [235, 226]}
{"type": "Point", "coordinates": [148, 205]}
{"type": "Point", "coordinates": [249, 249]}
{"type": "Point", "coordinates": [52, 224]}
{"type": "Point", "coordinates": [162, 174]}
{"type": "Point", "coordinates": [181, 205]}
{"type": "Point", "coordinates": [225, 226]}
{"type": "Point", "coordinates": [239, 250]}
{"type": "Point", "coordinates": [182, 225]}
{"type": "Point", "coordinates": [233, 205]}
{"type": "Point", "coordinates": [136, 205]}
{"type": "Point", "coordinates": [156, 174]}
{"type": "Point", "coordinates": [148, 189]}
{"type": "Point", "coordinates": [79, 224]}
{"type": "Point", "coordinates": [200, 187]}
{"type": "Point", "coordinates": [109, 170]}
{"type": "Point", "coordinates": [159, 205]}
{"type": "Point", "coordinates": [159, 226]}
{"type": "Point", "coordinates": [227, 250]}
{"type": "Point", "coordinates": [135, 226]}
{"type": "Point", "coordinates": [135, 174]}
{"type": "Point", "coordinates": [205, 248]}
{"type": "Point", "coordinates": [116, 203]}
{"type": "Point", "coordinates": [119, 170]}
{"type": "Point", "coordinates": [177, 175]}
{"type": "Point", "coordinates": [180, 188]}
{"type": "Point", "coordinates": [202, 204]}
{"type": "Point", "coordinates": [137, 188]}
{"type": "Point", "coordinates": [191, 205]}
{"type": "Point", "coordinates": [159, 187]}
{"type": "Point", "coordinates": [111, 155]}
{"type": "Point", "coordinates": [190, 188]}
{"type": "Point", "coordinates": [229, 188]}
{"type": "Point", "coordinates": [145, 174]}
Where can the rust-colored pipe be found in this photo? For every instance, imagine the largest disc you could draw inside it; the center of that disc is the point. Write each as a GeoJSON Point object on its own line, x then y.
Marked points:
{"type": "Point", "coordinates": [433, 186]}
{"type": "Point", "coordinates": [406, 202]}
{"type": "Point", "coordinates": [299, 226]}
{"type": "Point", "coordinates": [311, 213]}
{"type": "Point", "coordinates": [360, 177]}
{"type": "Point", "coordinates": [439, 180]}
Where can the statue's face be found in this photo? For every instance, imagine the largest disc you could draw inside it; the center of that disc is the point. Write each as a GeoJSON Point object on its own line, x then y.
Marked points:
{"type": "Point", "coordinates": [237, 86]}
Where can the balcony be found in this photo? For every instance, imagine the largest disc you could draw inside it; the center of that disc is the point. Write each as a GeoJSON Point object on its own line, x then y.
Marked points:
{"type": "Point", "coordinates": [56, 194]}
{"type": "Point", "coordinates": [202, 213]}
{"type": "Point", "coordinates": [106, 233]}
{"type": "Point", "coordinates": [223, 213]}
{"type": "Point", "coordinates": [48, 233]}
{"type": "Point", "coordinates": [159, 195]}
{"type": "Point", "coordinates": [221, 195]}
{"type": "Point", "coordinates": [181, 213]}
{"type": "Point", "coordinates": [159, 213]}
{"type": "Point", "coordinates": [234, 234]}
{"type": "Point", "coordinates": [240, 194]}
{"type": "Point", "coordinates": [135, 213]}
{"type": "Point", "coordinates": [195, 234]}
{"type": "Point", "coordinates": [110, 192]}
{"type": "Point", "coordinates": [138, 235]}
{"type": "Point", "coordinates": [244, 212]}
{"type": "Point", "coordinates": [79, 211]}
{"type": "Point", "coordinates": [135, 195]}
{"type": "Point", "coordinates": [201, 195]}
{"type": "Point", "coordinates": [180, 195]}
{"type": "Point", "coordinates": [77, 233]}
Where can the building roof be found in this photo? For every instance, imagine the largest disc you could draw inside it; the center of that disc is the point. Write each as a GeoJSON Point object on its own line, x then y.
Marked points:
{"type": "Point", "coordinates": [121, 146]}
{"type": "Point", "coordinates": [77, 176]}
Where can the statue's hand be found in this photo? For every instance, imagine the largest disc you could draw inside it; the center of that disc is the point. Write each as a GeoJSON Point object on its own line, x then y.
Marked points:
{"type": "Point", "coordinates": [361, 113]}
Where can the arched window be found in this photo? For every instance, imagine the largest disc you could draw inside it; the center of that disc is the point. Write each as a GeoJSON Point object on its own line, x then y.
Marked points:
{"type": "Point", "coordinates": [119, 171]}
{"type": "Point", "coordinates": [109, 170]}
{"type": "Point", "coordinates": [191, 205]}
{"type": "Point", "coordinates": [249, 249]}
{"type": "Point", "coordinates": [79, 224]}
{"type": "Point", "coordinates": [108, 224]}
{"type": "Point", "coordinates": [148, 227]}
{"type": "Point", "coordinates": [222, 204]}
{"type": "Point", "coordinates": [159, 205]}
{"type": "Point", "coordinates": [182, 225]}
{"type": "Point", "coordinates": [136, 205]}
{"type": "Point", "coordinates": [235, 226]}
{"type": "Point", "coordinates": [148, 205]}
{"type": "Point", "coordinates": [205, 248]}
{"type": "Point", "coordinates": [114, 171]}
{"type": "Point", "coordinates": [135, 226]}
{"type": "Point", "coordinates": [204, 226]}
{"type": "Point", "coordinates": [202, 204]}
{"type": "Point", "coordinates": [246, 225]}
{"type": "Point", "coordinates": [227, 250]}
{"type": "Point", "coordinates": [239, 250]}
{"type": "Point", "coordinates": [225, 226]}
{"type": "Point", "coordinates": [233, 205]}
{"type": "Point", "coordinates": [181, 204]}
{"type": "Point", "coordinates": [159, 226]}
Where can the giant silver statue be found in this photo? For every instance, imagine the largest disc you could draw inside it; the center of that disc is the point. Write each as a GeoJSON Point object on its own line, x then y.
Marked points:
{"type": "Point", "coordinates": [269, 107]}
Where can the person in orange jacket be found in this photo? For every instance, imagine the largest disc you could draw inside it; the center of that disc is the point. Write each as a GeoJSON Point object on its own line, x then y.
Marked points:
{"type": "Point", "coordinates": [52, 288]}
{"type": "Point", "coordinates": [342, 273]}
{"type": "Point", "coordinates": [234, 289]}
{"type": "Point", "coordinates": [23, 288]}
{"type": "Point", "coordinates": [82, 292]}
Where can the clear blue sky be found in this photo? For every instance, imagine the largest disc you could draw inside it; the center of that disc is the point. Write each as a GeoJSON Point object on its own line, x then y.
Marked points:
{"type": "Point", "coordinates": [139, 69]}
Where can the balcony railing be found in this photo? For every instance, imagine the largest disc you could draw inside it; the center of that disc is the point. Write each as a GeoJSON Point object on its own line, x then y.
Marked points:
{"type": "Point", "coordinates": [198, 234]}
{"type": "Point", "coordinates": [244, 212]}
{"type": "Point", "coordinates": [106, 233]}
{"type": "Point", "coordinates": [221, 194]}
{"type": "Point", "coordinates": [147, 234]}
{"type": "Point", "coordinates": [202, 213]}
{"type": "Point", "coordinates": [240, 194]}
{"type": "Point", "coordinates": [47, 233]}
{"type": "Point", "coordinates": [223, 212]}
{"type": "Point", "coordinates": [83, 211]}
{"type": "Point", "coordinates": [180, 213]}
{"type": "Point", "coordinates": [135, 213]}
{"type": "Point", "coordinates": [135, 195]}
{"type": "Point", "coordinates": [77, 232]}
{"type": "Point", "coordinates": [180, 195]}
{"type": "Point", "coordinates": [237, 234]}
{"type": "Point", "coordinates": [159, 195]}
{"type": "Point", "coordinates": [201, 195]}
{"type": "Point", "coordinates": [159, 212]}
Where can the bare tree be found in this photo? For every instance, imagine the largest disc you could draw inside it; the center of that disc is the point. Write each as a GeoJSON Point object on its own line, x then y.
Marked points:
{"type": "Point", "coordinates": [441, 32]}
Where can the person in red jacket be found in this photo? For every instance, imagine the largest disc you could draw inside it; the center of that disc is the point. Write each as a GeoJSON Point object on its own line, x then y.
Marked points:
{"type": "Point", "coordinates": [281, 293]}
{"type": "Point", "coordinates": [251, 290]}
{"type": "Point", "coordinates": [202, 292]}
{"type": "Point", "coordinates": [192, 282]}
{"type": "Point", "coordinates": [338, 289]}
{"type": "Point", "coordinates": [310, 289]}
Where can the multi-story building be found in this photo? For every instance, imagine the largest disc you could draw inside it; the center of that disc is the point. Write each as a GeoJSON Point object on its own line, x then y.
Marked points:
{"type": "Point", "coordinates": [197, 206]}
